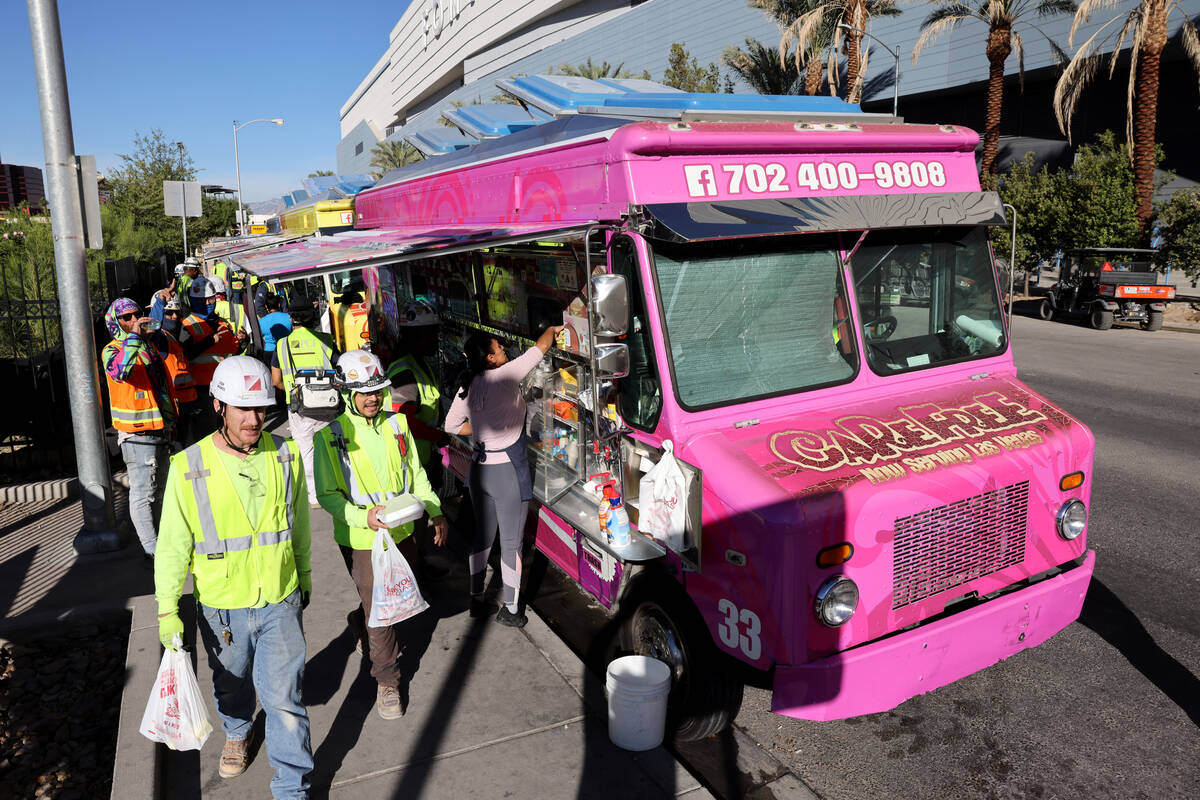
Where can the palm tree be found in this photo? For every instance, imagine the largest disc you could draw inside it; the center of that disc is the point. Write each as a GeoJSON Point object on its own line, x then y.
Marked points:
{"type": "Point", "coordinates": [1145, 28]}
{"type": "Point", "coordinates": [765, 70]}
{"type": "Point", "coordinates": [811, 25]}
{"type": "Point", "coordinates": [1002, 18]}
{"type": "Point", "coordinates": [392, 153]}
{"type": "Point", "coordinates": [601, 70]}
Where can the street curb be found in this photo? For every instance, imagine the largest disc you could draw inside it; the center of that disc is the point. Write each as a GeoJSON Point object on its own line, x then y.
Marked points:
{"type": "Point", "coordinates": [1182, 328]}
{"type": "Point", "coordinates": [46, 491]}
{"type": "Point", "coordinates": [40, 491]}
{"type": "Point", "coordinates": [138, 765]}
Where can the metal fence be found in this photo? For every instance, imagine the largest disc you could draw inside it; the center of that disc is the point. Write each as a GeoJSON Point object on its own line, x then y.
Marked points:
{"type": "Point", "coordinates": [35, 417]}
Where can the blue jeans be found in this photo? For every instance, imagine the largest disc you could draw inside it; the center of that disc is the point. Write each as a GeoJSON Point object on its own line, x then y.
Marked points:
{"type": "Point", "coordinates": [264, 653]}
{"type": "Point", "coordinates": [146, 463]}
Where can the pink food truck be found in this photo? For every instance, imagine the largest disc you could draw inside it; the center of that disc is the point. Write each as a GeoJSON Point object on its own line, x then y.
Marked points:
{"type": "Point", "coordinates": [785, 355]}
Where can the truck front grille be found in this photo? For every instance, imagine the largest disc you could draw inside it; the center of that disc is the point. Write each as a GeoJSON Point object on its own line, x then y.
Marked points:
{"type": "Point", "coordinates": [956, 543]}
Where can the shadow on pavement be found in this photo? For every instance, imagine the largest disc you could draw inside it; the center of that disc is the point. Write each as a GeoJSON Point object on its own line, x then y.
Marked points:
{"type": "Point", "coordinates": [1109, 617]}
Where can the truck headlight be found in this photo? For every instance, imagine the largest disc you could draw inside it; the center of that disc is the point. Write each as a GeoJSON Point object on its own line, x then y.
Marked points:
{"type": "Point", "coordinates": [837, 600]}
{"type": "Point", "coordinates": [1072, 519]}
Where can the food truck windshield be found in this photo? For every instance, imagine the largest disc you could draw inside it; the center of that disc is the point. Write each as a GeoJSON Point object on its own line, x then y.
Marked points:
{"type": "Point", "coordinates": [926, 297]}
{"type": "Point", "coordinates": [754, 318]}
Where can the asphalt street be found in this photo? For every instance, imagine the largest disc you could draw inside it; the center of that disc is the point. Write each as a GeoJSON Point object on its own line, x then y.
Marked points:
{"type": "Point", "coordinates": [1110, 707]}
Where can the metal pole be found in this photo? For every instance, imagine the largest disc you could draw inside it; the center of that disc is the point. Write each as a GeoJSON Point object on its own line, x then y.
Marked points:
{"type": "Point", "coordinates": [1012, 263]}
{"type": "Point", "coordinates": [894, 53]}
{"type": "Point", "coordinates": [895, 85]}
{"type": "Point", "coordinates": [183, 197]}
{"type": "Point", "coordinates": [237, 166]}
{"type": "Point", "coordinates": [66, 218]}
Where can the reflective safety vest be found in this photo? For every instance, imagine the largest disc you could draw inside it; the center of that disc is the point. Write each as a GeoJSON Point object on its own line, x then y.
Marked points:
{"type": "Point", "coordinates": [429, 397]}
{"type": "Point", "coordinates": [225, 345]}
{"type": "Point", "coordinates": [301, 349]}
{"type": "Point", "coordinates": [133, 403]}
{"type": "Point", "coordinates": [180, 371]}
{"type": "Point", "coordinates": [356, 476]}
{"type": "Point", "coordinates": [237, 281]}
{"type": "Point", "coordinates": [182, 282]}
{"type": "Point", "coordinates": [235, 557]}
{"type": "Point", "coordinates": [221, 270]}
{"type": "Point", "coordinates": [231, 312]}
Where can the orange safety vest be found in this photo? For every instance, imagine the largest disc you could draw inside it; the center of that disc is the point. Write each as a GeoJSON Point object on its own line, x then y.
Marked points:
{"type": "Point", "coordinates": [180, 372]}
{"type": "Point", "coordinates": [133, 404]}
{"type": "Point", "coordinates": [225, 344]}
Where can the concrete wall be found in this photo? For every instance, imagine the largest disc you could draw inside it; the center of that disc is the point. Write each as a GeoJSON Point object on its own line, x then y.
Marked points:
{"type": "Point", "coordinates": [641, 37]}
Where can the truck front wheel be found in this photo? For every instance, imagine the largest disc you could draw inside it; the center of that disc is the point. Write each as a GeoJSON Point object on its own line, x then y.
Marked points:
{"type": "Point", "coordinates": [1153, 320]}
{"type": "Point", "coordinates": [705, 695]}
{"type": "Point", "coordinates": [1046, 310]}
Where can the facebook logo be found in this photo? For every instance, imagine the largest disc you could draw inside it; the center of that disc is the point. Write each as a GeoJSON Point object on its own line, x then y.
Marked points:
{"type": "Point", "coordinates": [700, 180]}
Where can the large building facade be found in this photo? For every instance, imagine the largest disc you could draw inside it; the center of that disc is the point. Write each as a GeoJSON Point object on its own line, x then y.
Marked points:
{"type": "Point", "coordinates": [21, 185]}
{"type": "Point", "coordinates": [443, 52]}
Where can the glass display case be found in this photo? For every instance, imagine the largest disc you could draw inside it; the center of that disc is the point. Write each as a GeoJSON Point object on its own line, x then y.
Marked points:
{"type": "Point", "coordinates": [557, 437]}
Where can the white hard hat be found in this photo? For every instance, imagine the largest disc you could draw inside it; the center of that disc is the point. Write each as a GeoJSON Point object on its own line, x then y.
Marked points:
{"type": "Point", "coordinates": [179, 268]}
{"type": "Point", "coordinates": [416, 314]}
{"type": "Point", "coordinates": [202, 288]}
{"type": "Point", "coordinates": [191, 261]}
{"type": "Point", "coordinates": [244, 382]}
{"type": "Point", "coordinates": [174, 304]}
{"type": "Point", "coordinates": [218, 284]}
{"type": "Point", "coordinates": [361, 371]}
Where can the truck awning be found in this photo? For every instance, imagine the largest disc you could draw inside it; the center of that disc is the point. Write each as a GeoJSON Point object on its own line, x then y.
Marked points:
{"type": "Point", "coordinates": [693, 222]}
{"type": "Point", "coordinates": [373, 248]}
{"type": "Point", "coordinates": [243, 244]}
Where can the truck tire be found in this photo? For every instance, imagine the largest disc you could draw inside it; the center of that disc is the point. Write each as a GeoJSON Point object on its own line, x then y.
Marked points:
{"type": "Point", "coordinates": [1046, 310]}
{"type": "Point", "coordinates": [1102, 319]}
{"type": "Point", "coordinates": [1153, 321]}
{"type": "Point", "coordinates": [705, 694]}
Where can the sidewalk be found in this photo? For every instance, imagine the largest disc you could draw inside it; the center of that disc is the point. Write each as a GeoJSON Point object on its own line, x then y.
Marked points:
{"type": "Point", "coordinates": [491, 711]}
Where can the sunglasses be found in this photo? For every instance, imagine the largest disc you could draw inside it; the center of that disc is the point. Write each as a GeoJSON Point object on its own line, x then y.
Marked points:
{"type": "Point", "coordinates": [170, 313]}
{"type": "Point", "coordinates": [127, 317]}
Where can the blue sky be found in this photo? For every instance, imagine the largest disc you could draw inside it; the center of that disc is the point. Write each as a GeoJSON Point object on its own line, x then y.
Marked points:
{"type": "Point", "coordinates": [191, 69]}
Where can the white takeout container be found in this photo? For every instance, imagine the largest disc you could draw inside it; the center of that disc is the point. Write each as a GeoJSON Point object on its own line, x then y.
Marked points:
{"type": "Point", "coordinates": [401, 509]}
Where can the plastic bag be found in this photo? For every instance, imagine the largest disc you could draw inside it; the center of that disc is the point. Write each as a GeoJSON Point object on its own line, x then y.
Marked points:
{"type": "Point", "coordinates": [663, 491]}
{"type": "Point", "coordinates": [176, 713]}
{"type": "Point", "coordinates": [394, 593]}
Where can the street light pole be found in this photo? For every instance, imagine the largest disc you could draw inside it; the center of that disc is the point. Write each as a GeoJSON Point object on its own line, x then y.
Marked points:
{"type": "Point", "coordinates": [99, 533]}
{"type": "Point", "coordinates": [237, 166]}
{"type": "Point", "coordinates": [896, 75]}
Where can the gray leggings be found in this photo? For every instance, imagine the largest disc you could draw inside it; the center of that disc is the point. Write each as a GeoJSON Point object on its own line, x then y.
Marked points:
{"type": "Point", "coordinates": [496, 498]}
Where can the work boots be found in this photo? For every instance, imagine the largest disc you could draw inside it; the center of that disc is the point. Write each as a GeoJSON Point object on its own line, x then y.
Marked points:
{"type": "Point", "coordinates": [235, 757]}
{"type": "Point", "coordinates": [387, 703]}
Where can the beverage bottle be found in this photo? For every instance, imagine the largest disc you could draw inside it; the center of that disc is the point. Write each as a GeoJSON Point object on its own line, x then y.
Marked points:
{"type": "Point", "coordinates": [605, 519]}
{"type": "Point", "coordinates": [618, 525]}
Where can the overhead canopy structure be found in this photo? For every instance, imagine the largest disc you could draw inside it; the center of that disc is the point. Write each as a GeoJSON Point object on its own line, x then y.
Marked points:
{"type": "Point", "coordinates": [359, 249]}
{"type": "Point", "coordinates": [691, 222]}
{"type": "Point", "coordinates": [224, 248]}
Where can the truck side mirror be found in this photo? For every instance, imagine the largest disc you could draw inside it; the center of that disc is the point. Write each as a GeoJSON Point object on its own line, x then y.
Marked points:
{"type": "Point", "coordinates": [610, 305]}
{"type": "Point", "coordinates": [612, 360]}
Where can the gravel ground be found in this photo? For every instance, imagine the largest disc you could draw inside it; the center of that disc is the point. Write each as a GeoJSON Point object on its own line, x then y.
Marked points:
{"type": "Point", "coordinates": [60, 699]}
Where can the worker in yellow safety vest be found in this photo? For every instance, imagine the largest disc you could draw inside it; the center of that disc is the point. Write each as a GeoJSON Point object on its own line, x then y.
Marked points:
{"type": "Point", "coordinates": [364, 458]}
{"type": "Point", "coordinates": [233, 313]}
{"type": "Point", "coordinates": [234, 514]}
{"type": "Point", "coordinates": [415, 394]}
{"type": "Point", "coordinates": [303, 349]}
{"type": "Point", "coordinates": [142, 401]}
{"type": "Point", "coordinates": [207, 340]}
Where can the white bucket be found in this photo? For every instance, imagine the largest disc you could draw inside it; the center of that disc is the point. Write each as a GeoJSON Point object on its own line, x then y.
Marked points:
{"type": "Point", "coordinates": [637, 688]}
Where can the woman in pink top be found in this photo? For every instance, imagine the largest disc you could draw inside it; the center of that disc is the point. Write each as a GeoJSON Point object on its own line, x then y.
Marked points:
{"type": "Point", "coordinates": [490, 409]}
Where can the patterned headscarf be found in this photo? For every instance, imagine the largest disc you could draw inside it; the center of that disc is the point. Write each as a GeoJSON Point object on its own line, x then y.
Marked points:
{"type": "Point", "coordinates": [122, 305]}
